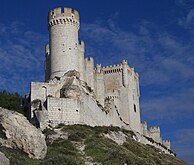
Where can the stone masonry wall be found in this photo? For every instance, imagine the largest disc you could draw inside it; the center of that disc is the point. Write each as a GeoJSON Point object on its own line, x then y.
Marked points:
{"type": "Point", "coordinates": [63, 110]}
{"type": "Point", "coordinates": [91, 114]}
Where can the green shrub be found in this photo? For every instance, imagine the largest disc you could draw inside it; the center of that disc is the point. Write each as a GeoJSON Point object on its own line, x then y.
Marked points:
{"type": "Point", "coordinates": [11, 101]}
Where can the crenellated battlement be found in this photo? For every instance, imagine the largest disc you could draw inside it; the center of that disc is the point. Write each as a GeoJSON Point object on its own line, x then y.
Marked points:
{"type": "Point", "coordinates": [113, 97]}
{"type": "Point", "coordinates": [89, 60]}
{"type": "Point", "coordinates": [68, 16]}
{"type": "Point", "coordinates": [124, 62]}
{"type": "Point", "coordinates": [81, 46]}
{"type": "Point", "coordinates": [98, 68]}
{"type": "Point", "coordinates": [154, 129]}
{"type": "Point", "coordinates": [112, 69]}
{"type": "Point", "coordinates": [112, 66]}
{"type": "Point", "coordinates": [144, 123]}
{"type": "Point", "coordinates": [165, 141]}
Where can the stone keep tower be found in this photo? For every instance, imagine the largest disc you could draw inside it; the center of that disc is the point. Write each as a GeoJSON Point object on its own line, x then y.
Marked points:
{"type": "Point", "coordinates": [62, 51]}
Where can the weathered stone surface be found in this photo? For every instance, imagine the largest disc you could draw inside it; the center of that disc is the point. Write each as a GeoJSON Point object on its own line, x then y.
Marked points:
{"type": "Point", "coordinates": [70, 88]}
{"type": "Point", "coordinates": [3, 159]}
{"type": "Point", "coordinates": [71, 92]}
{"type": "Point", "coordinates": [17, 132]}
{"type": "Point", "coordinates": [72, 73]}
{"type": "Point", "coordinates": [117, 137]}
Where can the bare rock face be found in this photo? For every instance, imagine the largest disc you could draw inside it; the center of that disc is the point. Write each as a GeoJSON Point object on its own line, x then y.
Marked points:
{"type": "Point", "coordinates": [16, 132]}
{"type": "Point", "coordinates": [117, 137]}
{"type": "Point", "coordinates": [3, 159]}
{"type": "Point", "coordinates": [72, 73]}
{"type": "Point", "coordinates": [70, 88]}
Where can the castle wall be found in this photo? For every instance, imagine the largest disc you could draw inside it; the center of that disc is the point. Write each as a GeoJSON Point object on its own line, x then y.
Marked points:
{"type": "Point", "coordinates": [81, 50]}
{"type": "Point", "coordinates": [133, 100]}
{"type": "Point", "coordinates": [38, 92]}
{"type": "Point", "coordinates": [154, 133]}
{"type": "Point", "coordinates": [115, 115]}
{"type": "Point", "coordinates": [121, 83]}
{"type": "Point", "coordinates": [112, 79]}
{"type": "Point", "coordinates": [63, 110]}
{"type": "Point", "coordinates": [63, 28]}
{"type": "Point", "coordinates": [89, 71]}
{"type": "Point", "coordinates": [166, 143]}
{"type": "Point", "coordinates": [146, 141]}
{"type": "Point", "coordinates": [99, 84]}
{"type": "Point", "coordinates": [91, 114]}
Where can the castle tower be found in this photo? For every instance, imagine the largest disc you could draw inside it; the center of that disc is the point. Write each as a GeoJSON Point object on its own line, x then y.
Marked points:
{"type": "Point", "coordinates": [63, 32]}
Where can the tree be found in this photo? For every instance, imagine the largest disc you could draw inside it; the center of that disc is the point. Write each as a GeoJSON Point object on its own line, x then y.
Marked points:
{"type": "Point", "coordinates": [11, 101]}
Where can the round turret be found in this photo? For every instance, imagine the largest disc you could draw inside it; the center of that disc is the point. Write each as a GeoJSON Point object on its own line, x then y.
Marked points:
{"type": "Point", "coordinates": [63, 31]}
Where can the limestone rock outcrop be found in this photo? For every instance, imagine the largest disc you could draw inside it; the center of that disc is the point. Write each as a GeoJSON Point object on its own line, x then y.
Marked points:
{"type": "Point", "coordinates": [16, 132]}
{"type": "Point", "coordinates": [71, 73]}
{"type": "Point", "coordinates": [70, 88]}
{"type": "Point", "coordinates": [3, 159]}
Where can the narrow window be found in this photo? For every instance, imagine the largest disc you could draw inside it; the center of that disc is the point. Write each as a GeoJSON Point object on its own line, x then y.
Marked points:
{"type": "Point", "coordinates": [135, 110]}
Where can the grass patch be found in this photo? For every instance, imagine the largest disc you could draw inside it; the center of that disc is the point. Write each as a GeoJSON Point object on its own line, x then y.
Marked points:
{"type": "Point", "coordinates": [101, 149]}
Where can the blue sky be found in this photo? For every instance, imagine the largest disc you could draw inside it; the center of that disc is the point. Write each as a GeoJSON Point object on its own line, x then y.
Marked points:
{"type": "Point", "coordinates": [156, 37]}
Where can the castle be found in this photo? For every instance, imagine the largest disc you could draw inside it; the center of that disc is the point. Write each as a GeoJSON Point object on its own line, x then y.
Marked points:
{"type": "Point", "coordinates": [77, 92]}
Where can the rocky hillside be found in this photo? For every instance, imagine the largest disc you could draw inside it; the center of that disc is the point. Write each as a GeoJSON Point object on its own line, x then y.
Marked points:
{"type": "Point", "coordinates": [71, 145]}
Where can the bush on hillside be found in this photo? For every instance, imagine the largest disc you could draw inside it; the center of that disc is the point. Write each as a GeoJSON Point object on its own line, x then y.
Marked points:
{"type": "Point", "coordinates": [11, 101]}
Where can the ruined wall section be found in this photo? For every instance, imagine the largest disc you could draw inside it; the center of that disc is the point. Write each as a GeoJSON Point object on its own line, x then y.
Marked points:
{"type": "Point", "coordinates": [63, 33]}
{"type": "Point", "coordinates": [38, 96]}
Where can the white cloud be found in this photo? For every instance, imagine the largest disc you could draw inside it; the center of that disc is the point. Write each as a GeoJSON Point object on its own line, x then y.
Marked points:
{"type": "Point", "coordinates": [158, 56]}
{"type": "Point", "coordinates": [22, 55]}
